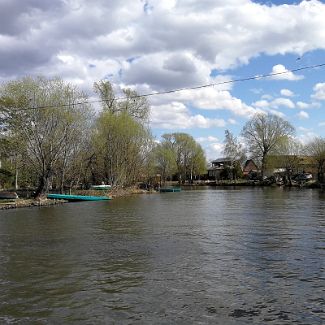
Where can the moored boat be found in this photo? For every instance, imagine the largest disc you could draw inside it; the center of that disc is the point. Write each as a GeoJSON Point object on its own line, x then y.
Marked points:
{"type": "Point", "coordinates": [68, 197]}
{"type": "Point", "coordinates": [101, 187]}
{"type": "Point", "coordinates": [4, 195]}
{"type": "Point", "coordinates": [170, 189]}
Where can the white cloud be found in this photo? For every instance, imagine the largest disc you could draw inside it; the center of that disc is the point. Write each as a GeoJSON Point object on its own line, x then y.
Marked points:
{"type": "Point", "coordinates": [207, 139]}
{"type": "Point", "coordinates": [303, 105]}
{"type": "Point", "coordinates": [212, 146]}
{"type": "Point", "coordinates": [287, 93]}
{"type": "Point", "coordinates": [232, 121]}
{"type": "Point", "coordinates": [281, 73]}
{"type": "Point", "coordinates": [319, 91]}
{"type": "Point", "coordinates": [303, 129]}
{"type": "Point", "coordinates": [267, 97]}
{"type": "Point", "coordinates": [321, 124]}
{"type": "Point", "coordinates": [306, 136]}
{"type": "Point", "coordinates": [282, 102]}
{"type": "Point", "coordinates": [177, 116]}
{"type": "Point", "coordinates": [261, 103]}
{"type": "Point", "coordinates": [212, 99]}
{"type": "Point", "coordinates": [221, 34]}
{"type": "Point", "coordinates": [209, 98]}
{"type": "Point", "coordinates": [274, 104]}
{"type": "Point", "coordinates": [278, 113]}
{"type": "Point", "coordinates": [303, 115]}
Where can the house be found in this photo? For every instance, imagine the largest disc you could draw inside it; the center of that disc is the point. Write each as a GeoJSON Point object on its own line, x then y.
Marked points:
{"type": "Point", "coordinates": [217, 167]}
{"type": "Point", "coordinates": [249, 168]}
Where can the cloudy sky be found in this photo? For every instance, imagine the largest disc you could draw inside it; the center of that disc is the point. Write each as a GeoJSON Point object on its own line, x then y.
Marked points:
{"type": "Point", "coordinates": [159, 45]}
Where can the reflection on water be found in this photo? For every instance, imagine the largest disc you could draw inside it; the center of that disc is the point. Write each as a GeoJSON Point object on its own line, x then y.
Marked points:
{"type": "Point", "coordinates": [213, 256]}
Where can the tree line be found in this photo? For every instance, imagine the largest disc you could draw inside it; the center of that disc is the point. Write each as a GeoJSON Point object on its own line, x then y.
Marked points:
{"type": "Point", "coordinates": [51, 137]}
{"type": "Point", "coordinates": [270, 141]}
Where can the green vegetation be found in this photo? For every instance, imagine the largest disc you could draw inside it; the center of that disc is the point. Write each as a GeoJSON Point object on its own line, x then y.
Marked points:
{"type": "Point", "coordinates": [180, 154]}
{"type": "Point", "coordinates": [51, 138]}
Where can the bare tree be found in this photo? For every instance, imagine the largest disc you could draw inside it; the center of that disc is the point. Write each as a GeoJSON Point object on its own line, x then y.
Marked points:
{"type": "Point", "coordinates": [132, 103]}
{"type": "Point", "coordinates": [264, 133]}
{"type": "Point", "coordinates": [316, 149]}
{"type": "Point", "coordinates": [235, 151]}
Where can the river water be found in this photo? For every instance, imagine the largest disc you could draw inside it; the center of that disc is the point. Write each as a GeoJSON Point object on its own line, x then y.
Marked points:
{"type": "Point", "coordinates": [204, 256]}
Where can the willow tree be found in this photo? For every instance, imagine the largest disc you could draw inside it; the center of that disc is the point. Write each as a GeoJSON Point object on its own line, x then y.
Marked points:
{"type": "Point", "coordinates": [188, 155]}
{"type": "Point", "coordinates": [44, 116]}
{"type": "Point", "coordinates": [121, 138]}
{"type": "Point", "coordinates": [121, 146]}
{"type": "Point", "coordinates": [165, 158]}
{"type": "Point", "coordinates": [264, 133]}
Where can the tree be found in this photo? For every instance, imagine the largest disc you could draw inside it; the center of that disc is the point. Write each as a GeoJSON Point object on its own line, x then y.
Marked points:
{"type": "Point", "coordinates": [121, 147]}
{"type": "Point", "coordinates": [165, 160]}
{"type": "Point", "coordinates": [264, 133]}
{"type": "Point", "coordinates": [288, 157]}
{"type": "Point", "coordinates": [316, 149]}
{"type": "Point", "coordinates": [43, 116]}
{"type": "Point", "coordinates": [104, 90]}
{"type": "Point", "coordinates": [134, 105]}
{"type": "Point", "coordinates": [235, 151]}
{"type": "Point", "coordinates": [122, 139]}
{"type": "Point", "coordinates": [187, 154]}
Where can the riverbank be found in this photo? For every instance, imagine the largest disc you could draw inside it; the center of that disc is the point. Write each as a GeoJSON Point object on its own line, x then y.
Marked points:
{"type": "Point", "coordinates": [26, 203]}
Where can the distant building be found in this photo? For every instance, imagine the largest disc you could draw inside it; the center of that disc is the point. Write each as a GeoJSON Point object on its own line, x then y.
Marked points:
{"type": "Point", "coordinates": [217, 167]}
{"type": "Point", "coordinates": [250, 167]}
{"type": "Point", "coordinates": [294, 164]}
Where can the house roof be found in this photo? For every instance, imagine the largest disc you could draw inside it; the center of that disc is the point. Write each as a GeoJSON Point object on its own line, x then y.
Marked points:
{"type": "Point", "coordinates": [220, 160]}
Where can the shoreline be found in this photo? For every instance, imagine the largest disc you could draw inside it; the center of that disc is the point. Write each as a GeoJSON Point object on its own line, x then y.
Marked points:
{"type": "Point", "coordinates": [29, 203]}
{"type": "Point", "coordinates": [44, 202]}
{"type": "Point", "coordinates": [124, 192]}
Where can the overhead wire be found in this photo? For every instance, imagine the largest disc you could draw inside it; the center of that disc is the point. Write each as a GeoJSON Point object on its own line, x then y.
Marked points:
{"type": "Point", "coordinates": [171, 91]}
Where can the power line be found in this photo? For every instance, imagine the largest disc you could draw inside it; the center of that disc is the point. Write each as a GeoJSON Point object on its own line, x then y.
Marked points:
{"type": "Point", "coordinates": [256, 77]}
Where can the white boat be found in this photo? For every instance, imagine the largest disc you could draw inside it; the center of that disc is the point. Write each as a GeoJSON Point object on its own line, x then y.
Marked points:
{"type": "Point", "coordinates": [101, 187]}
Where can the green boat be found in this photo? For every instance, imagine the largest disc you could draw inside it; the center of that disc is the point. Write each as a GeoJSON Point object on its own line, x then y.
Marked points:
{"type": "Point", "coordinates": [77, 197]}
{"type": "Point", "coordinates": [170, 189]}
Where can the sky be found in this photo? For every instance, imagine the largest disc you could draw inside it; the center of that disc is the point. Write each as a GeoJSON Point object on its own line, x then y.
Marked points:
{"type": "Point", "coordinates": [155, 46]}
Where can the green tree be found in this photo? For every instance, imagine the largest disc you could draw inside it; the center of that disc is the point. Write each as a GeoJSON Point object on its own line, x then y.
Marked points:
{"type": "Point", "coordinates": [43, 116]}
{"type": "Point", "coordinates": [187, 153]}
{"type": "Point", "coordinates": [288, 157]}
{"type": "Point", "coordinates": [264, 133]}
{"type": "Point", "coordinates": [165, 160]}
{"type": "Point", "coordinates": [121, 147]}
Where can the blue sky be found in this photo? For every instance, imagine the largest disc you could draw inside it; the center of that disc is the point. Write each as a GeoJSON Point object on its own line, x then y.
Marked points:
{"type": "Point", "coordinates": [153, 46]}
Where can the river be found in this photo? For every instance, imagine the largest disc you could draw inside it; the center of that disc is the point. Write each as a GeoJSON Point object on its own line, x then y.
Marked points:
{"type": "Point", "coordinates": [203, 256]}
